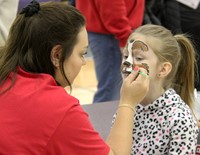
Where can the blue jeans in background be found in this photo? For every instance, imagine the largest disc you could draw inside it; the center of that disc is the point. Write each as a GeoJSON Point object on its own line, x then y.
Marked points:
{"type": "Point", "coordinates": [107, 59]}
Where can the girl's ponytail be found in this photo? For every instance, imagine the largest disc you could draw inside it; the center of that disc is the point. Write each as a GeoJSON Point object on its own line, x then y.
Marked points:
{"type": "Point", "coordinates": [184, 77]}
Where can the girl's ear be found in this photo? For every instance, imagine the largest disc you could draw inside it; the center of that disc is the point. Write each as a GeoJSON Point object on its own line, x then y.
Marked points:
{"type": "Point", "coordinates": [166, 68]}
{"type": "Point", "coordinates": [56, 52]}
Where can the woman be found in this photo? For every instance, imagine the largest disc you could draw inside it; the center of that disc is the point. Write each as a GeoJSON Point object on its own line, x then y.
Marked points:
{"type": "Point", "coordinates": [44, 53]}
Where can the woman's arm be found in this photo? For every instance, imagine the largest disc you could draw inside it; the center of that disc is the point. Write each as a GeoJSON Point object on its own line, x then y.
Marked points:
{"type": "Point", "coordinates": [132, 92]}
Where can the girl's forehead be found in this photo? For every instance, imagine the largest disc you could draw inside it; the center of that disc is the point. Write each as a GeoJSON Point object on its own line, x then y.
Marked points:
{"type": "Point", "coordinates": [133, 45]}
{"type": "Point", "coordinates": [136, 36]}
{"type": "Point", "coordinates": [138, 41]}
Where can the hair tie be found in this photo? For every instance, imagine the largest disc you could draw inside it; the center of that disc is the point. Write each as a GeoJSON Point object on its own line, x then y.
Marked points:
{"type": "Point", "coordinates": [31, 9]}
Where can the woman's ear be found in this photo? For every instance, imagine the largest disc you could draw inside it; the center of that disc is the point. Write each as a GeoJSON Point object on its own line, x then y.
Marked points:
{"type": "Point", "coordinates": [56, 52]}
{"type": "Point", "coordinates": [166, 68]}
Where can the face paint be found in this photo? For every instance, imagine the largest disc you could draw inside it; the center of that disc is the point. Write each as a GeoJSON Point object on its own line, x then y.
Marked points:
{"type": "Point", "coordinates": [138, 46]}
{"type": "Point", "coordinates": [145, 66]}
{"type": "Point", "coordinates": [129, 60]}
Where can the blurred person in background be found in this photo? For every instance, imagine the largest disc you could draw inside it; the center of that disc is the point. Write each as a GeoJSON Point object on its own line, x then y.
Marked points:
{"type": "Point", "coordinates": [190, 24]}
{"type": "Point", "coordinates": [179, 16]}
{"type": "Point", "coordinates": [8, 11]}
{"type": "Point", "coordinates": [109, 23]}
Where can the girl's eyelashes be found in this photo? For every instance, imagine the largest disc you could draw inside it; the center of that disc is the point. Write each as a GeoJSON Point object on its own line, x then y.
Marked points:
{"type": "Point", "coordinates": [139, 58]}
{"type": "Point", "coordinates": [85, 53]}
{"type": "Point", "coordinates": [125, 56]}
{"type": "Point", "coordinates": [136, 58]}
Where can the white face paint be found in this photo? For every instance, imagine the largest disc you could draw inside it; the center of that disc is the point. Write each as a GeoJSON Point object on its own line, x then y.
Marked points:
{"type": "Point", "coordinates": [130, 56]}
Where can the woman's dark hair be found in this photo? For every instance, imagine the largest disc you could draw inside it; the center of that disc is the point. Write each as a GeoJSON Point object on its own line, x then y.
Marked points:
{"type": "Point", "coordinates": [34, 33]}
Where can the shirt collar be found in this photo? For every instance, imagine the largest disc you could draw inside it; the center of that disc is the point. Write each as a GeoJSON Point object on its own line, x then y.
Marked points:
{"type": "Point", "coordinates": [169, 97]}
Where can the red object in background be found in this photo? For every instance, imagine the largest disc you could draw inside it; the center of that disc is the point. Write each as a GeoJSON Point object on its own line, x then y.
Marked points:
{"type": "Point", "coordinates": [198, 150]}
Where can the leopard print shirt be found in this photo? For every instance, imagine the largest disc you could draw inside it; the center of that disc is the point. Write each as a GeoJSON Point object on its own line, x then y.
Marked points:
{"type": "Point", "coordinates": [166, 126]}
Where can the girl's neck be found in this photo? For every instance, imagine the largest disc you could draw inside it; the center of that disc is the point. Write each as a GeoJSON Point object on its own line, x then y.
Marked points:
{"type": "Point", "coordinates": [154, 93]}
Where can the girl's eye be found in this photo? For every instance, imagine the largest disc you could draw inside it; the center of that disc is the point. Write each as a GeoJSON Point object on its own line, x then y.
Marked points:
{"type": "Point", "coordinates": [139, 58]}
{"type": "Point", "coordinates": [83, 54]}
{"type": "Point", "coordinates": [125, 57]}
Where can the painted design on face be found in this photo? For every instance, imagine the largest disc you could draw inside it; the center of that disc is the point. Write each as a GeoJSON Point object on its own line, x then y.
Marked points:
{"type": "Point", "coordinates": [145, 66]}
{"type": "Point", "coordinates": [134, 45]}
{"type": "Point", "coordinates": [129, 61]}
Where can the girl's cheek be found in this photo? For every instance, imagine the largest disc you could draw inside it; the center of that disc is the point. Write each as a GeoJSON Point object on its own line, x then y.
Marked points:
{"type": "Point", "coordinates": [143, 65]}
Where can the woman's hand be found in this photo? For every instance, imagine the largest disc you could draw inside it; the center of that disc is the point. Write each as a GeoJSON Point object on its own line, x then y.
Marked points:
{"type": "Point", "coordinates": [135, 87]}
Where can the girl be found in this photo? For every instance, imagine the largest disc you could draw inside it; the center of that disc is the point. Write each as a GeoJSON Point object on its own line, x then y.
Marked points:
{"type": "Point", "coordinates": [163, 122]}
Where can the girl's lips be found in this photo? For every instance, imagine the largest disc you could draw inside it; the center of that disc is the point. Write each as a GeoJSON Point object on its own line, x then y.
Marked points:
{"type": "Point", "coordinates": [125, 74]}
{"type": "Point", "coordinates": [126, 70]}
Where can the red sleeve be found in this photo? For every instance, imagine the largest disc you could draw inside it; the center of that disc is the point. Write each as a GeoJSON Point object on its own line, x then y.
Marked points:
{"type": "Point", "coordinates": [75, 135]}
{"type": "Point", "coordinates": [114, 14]}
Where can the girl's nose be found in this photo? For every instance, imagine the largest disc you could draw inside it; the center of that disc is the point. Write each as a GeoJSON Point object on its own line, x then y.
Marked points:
{"type": "Point", "coordinates": [126, 63]}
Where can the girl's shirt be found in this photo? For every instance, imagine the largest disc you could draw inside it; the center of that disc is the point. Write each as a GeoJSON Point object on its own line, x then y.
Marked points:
{"type": "Point", "coordinates": [166, 126]}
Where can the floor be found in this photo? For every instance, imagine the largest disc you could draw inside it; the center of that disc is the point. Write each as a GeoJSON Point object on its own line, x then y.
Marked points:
{"type": "Point", "coordinates": [85, 84]}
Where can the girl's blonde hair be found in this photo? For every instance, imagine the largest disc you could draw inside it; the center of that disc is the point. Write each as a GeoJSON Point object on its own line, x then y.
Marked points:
{"type": "Point", "coordinates": [179, 51]}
